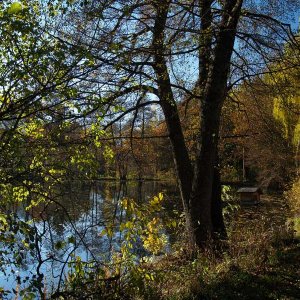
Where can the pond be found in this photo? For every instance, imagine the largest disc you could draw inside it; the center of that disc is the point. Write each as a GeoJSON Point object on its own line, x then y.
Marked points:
{"type": "Point", "coordinates": [69, 227]}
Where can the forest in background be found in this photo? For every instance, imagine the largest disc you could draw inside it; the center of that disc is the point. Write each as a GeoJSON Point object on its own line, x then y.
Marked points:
{"type": "Point", "coordinates": [198, 92]}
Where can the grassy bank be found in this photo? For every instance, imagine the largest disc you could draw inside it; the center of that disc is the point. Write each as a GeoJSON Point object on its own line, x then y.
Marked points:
{"type": "Point", "coordinates": [262, 261]}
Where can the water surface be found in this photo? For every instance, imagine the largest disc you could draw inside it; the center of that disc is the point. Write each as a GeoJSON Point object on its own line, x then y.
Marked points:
{"type": "Point", "coordinates": [71, 226]}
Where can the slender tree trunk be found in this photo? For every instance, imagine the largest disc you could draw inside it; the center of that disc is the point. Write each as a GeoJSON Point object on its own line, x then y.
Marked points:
{"type": "Point", "coordinates": [180, 153]}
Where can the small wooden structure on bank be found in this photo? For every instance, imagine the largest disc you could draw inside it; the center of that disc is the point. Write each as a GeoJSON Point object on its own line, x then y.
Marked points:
{"type": "Point", "coordinates": [249, 195]}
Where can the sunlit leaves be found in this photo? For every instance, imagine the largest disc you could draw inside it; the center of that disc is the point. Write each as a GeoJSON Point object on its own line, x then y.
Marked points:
{"type": "Point", "coordinates": [286, 96]}
{"type": "Point", "coordinates": [15, 8]}
{"type": "Point", "coordinates": [33, 129]}
{"type": "Point", "coordinates": [155, 204]}
{"type": "Point", "coordinates": [97, 132]}
{"type": "Point", "coordinates": [144, 223]}
{"type": "Point", "coordinates": [153, 240]}
{"type": "Point", "coordinates": [11, 194]}
{"type": "Point", "coordinates": [3, 222]}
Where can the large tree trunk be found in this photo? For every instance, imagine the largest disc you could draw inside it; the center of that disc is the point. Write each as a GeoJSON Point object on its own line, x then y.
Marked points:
{"type": "Point", "coordinates": [201, 189]}
{"type": "Point", "coordinates": [201, 204]}
{"type": "Point", "coordinates": [205, 60]}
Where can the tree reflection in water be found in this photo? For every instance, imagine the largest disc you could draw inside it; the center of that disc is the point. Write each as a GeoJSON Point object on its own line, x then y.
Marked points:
{"type": "Point", "coordinates": [69, 225]}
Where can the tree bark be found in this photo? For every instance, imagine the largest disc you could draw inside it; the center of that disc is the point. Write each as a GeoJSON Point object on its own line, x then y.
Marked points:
{"type": "Point", "coordinates": [182, 161]}
{"type": "Point", "coordinates": [201, 204]}
{"type": "Point", "coordinates": [201, 189]}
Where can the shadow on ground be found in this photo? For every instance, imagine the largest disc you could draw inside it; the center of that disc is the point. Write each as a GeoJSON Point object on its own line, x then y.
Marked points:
{"type": "Point", "coordinates": [279, 280]}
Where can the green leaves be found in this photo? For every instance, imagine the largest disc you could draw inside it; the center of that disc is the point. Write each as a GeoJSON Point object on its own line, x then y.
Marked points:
{"type": "Point", "coordinates": [144, 223]}
{"type": "Point", "coordinates": [3, 222]}
{"type": "Point", "coordinates": [59, 245]}
{"type": "Point", "coordinates": [15, 8]}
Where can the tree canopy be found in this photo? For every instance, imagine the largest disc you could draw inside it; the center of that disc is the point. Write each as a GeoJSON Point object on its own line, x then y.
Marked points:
{"type": "Point", "coordinates": [93, 89]}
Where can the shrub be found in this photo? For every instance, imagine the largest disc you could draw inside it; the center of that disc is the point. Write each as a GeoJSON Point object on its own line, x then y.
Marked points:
{"type": "Point", "coordinates": [293, 196]}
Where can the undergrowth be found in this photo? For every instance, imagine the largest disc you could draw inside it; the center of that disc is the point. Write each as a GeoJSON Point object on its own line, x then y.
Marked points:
{"type": "Point", "coordinates": [260, 261]}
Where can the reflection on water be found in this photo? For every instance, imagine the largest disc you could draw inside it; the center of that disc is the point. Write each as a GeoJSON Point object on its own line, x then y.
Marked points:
{"type": "Point", "coordinates": [70, 225]}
